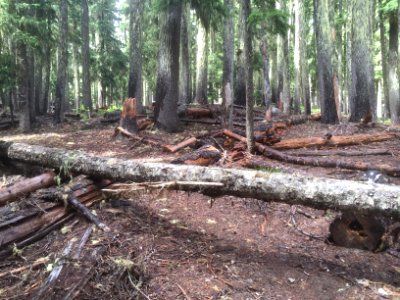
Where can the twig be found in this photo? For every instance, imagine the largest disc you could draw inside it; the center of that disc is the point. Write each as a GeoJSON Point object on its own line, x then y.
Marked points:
{"type": "Point", "coordinates": [183, 292]}
{"type": "Point", "coordinates": [84, 240]}
{"type": "Point", "coordinates": [136, 287]}
{"type": "Point", "coordinates": [38, 262]}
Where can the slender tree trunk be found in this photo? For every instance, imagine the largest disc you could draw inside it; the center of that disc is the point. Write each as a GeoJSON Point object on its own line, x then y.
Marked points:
{"type": "Point", "coordinates": [167, 85]}
{"type": "Point", "coordinates": [228, 64]}
{"type": "Point", "coordinates": [31, 85]}
{"type": "Point", "coordinates": [384, 62]}
{"type": "Point", "coordinates": [283, 69]}
{"type": "Point", "coordinates": [248, 59]}
{"type": "Point", "coordinates": [240, 81]}
{"type": "Point", "coordinates": [362, 95]}
{"type": "Point", "coordinates": [298, 95]}
{"type": "Point", "coordinates": [393, 79]}
{"type": "Point", "coordinates": [135, 41]}
{"type": "Point", "coordinates": [324, 61]}
{"type": "Point", "coordinates": [23, 86]}
{"type": "Point", "coordinates": [184, 81]}
{"type": "Point", "coordinates": [76, 74]}
{"type": "Point", "coordinates": [38, 85]}
{"type": "Point", "coordinates": [61, 85]}
{"type": "Point", "coordinates": [86, 82]}
{"type": "Point", "coordinates": [305, 85]}
{"type": "Point", "coordinates": [266, 86]}
{"type": "Point", "coordinates": [202, 65]}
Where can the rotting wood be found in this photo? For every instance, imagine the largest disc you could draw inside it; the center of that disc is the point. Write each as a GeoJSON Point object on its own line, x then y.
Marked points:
{"type": "Point", "coordinates": [181, 145]}
{"type": "Point", "coordinates": [390, 169]}
{"type": "Point", "coordinates": [204, 156]}
{"type": "Point", "coordinates": [29, 185]}
{"type": "Point", "coordinates": [340, 153]}
{"type": "Point", "coordinates": [320, 193]}
{"type": "Point", "coordinates": [24, 228]}
{"type": "Point", "coordinates": [333, 141]}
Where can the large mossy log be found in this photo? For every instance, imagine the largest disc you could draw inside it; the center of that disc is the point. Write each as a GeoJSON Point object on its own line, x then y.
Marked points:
{"type": "Point", "coordinates": [319, 193]}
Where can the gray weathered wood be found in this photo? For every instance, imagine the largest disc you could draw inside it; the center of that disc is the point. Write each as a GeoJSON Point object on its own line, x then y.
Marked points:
{"type": "Point", "coordinates": [316, 192]}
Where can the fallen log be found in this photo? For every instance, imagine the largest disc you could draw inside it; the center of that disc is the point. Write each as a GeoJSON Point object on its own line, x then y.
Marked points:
{"type": "Point", "coordinates": [333, 141]}
{"type": "Point", "coordinates": [340, 153]}
{"type": "Point", "coordinates": [321, 193]}
{"type": "Point", "coordinates": [269, 152]}
{"type": "Point", "coordinates": [198, 112]}
{"type": "Point", "coordinates": [29, 185]}
{"type": "Point", "coordinates": [204, 156]}
{"type": "Point", "coordinates": [181, 145]}
{"type": "Point", "coordinates": [134, 137]}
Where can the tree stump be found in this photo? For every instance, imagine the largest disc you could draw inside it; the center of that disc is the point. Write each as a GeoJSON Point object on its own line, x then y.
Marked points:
{"type": "Point", "coordinates": [128, 115]}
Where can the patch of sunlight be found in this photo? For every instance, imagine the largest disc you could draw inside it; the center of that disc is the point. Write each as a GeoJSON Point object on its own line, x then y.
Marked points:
{"type": "Point", "coordinates": [32, 137]}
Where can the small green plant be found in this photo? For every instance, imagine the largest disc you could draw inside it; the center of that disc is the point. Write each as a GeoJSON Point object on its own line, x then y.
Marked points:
{"type": "Point", "coordinates": [65, 169]}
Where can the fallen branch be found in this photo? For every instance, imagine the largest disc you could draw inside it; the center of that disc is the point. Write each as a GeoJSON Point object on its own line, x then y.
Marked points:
{"type": "Point", "coordinates": [389, 169]}
{"type": "Point", "coordinates": [320, 193]}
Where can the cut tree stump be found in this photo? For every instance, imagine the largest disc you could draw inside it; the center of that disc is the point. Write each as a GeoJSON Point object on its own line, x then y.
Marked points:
{"type": "Point", "coordinates": [320, 193]}
{"type": "Point", "coordinates": [269, 152]}
{"type": "Point", "coordinates": [128, 115]}
{"type": "Point", "coordinates": [333, 141]}
{"type": "Point", "coordinates": [29, 185]}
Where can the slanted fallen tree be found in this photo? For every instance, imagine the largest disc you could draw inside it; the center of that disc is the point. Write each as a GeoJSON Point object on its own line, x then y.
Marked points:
{"type": "Point", "coordinates": [321, 193]}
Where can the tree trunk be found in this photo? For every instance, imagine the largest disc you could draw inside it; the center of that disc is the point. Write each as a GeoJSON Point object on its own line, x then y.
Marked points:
{"type": "Point", "coordinates": [62, 81]}
{"type": "Point", "coordinates": [184, 81]}
{"type": "Point", "coordinates": [202, 65]}
{"type": "Point", "coordinates": [319, 193]}
{"type": "Point", "coordinates": [324, 61]}
{"type": "Point", "coordinates": [167, 85]}
{"type": "Point", "coordinates": [76, 64]}
{"type": "Point", "coordinates": [248, 59]}
{"type": "Point", "coordinates": [86, 83]}
{"type": "Point", "coordinates": [362, 93]}
{"type": "Point", "coordinates": [384, 60]}
{"type": "Point", "coordinates": [227, 86]}
{"type": "Point", "coordinates": [393, 79]}
{"type": "Point", "coordinates": [298, 93]}
{"type": "Point", "coordinates": [135, 51]}
{"type": "Point", "coordinates": [38, 84]}
{"type": "Point", "coordinates": [240, 82]}
{"type": "Point", "coordinates": [284, 77]}
{"type": "Point", "coordinates": [264, 49]}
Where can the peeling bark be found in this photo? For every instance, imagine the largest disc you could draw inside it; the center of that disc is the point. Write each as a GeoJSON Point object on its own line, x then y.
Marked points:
{"type": "Point", "coordinates": [321, 193]}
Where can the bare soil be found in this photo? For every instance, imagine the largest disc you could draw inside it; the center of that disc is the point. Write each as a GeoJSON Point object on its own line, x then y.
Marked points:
{"type": "Point", "coordinates": [177, 245]}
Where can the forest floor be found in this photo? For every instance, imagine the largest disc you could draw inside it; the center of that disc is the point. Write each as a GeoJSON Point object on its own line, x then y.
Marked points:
{"type": "Point", "coordinates": [178, 245]}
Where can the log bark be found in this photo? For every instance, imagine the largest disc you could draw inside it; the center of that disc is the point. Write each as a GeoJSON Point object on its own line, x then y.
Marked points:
{"type": "Point", "coordinates": [269, 152]}
{"type": "Point", "coordinates": [321, 193]}
{"type": "Point", "coordinates": [26, 186]}
{"type": "Point", "coordinates": [333, 141]}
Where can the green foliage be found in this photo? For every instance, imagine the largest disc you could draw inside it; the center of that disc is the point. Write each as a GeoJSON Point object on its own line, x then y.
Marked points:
{"type": "Point", "coordinates": [389, 6]}
{"type": "Point", "coordinates": [7, 71]}
{"type": "Point", "coordinates": [266, 17]}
